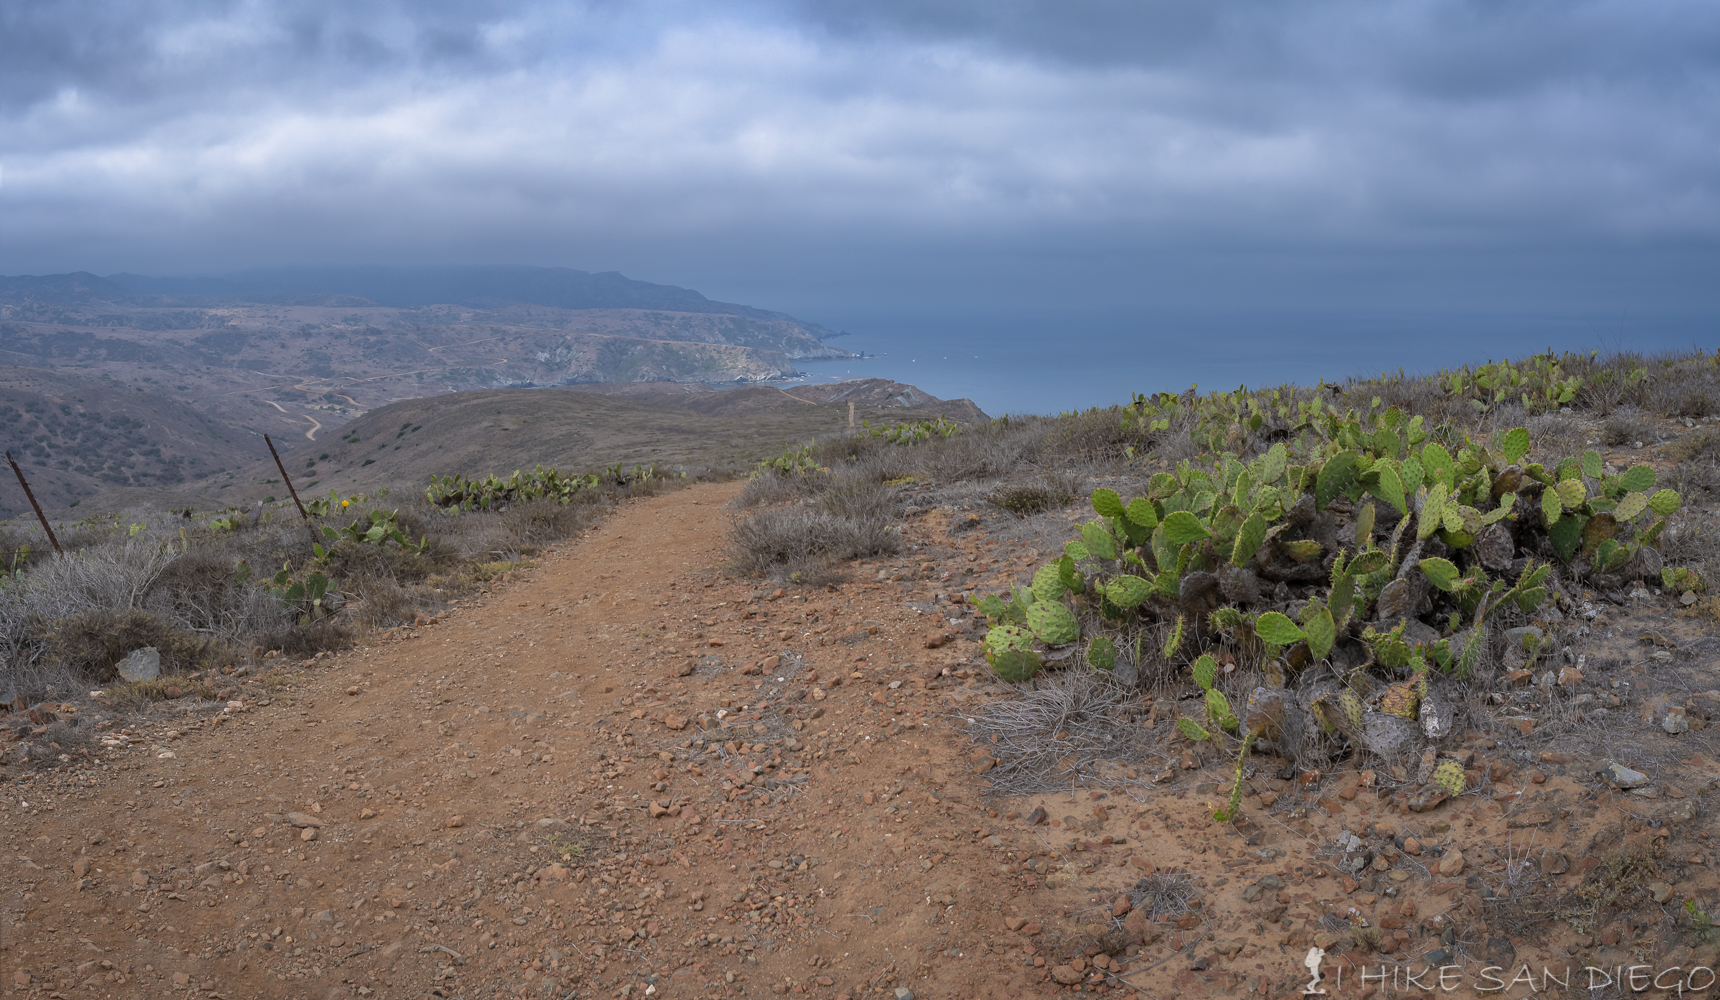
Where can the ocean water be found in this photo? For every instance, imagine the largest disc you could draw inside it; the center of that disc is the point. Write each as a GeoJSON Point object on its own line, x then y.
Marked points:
{"type": "Point", "coordinates": [1049, 363]}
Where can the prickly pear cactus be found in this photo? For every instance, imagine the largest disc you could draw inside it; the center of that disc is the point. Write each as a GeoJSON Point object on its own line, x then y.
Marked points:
{"type": "Point", "coordinates": [1449, 776]}
{"type": "Point", "coordinates": [1351, 706]}
{"type": "Point", "coordinates": [1009, 650]}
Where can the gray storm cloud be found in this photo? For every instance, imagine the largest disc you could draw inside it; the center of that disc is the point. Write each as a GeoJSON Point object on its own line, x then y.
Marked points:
{"type": "Point", "coordinates": [179, 136]}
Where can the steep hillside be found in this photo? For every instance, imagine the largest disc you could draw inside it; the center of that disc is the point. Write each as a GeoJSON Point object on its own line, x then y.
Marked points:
{"type": "Point", "coordinates": [76, 437]}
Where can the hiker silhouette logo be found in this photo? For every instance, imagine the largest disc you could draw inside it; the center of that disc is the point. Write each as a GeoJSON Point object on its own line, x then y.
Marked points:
{"type": "Point", "coordinates": [1315, 956]}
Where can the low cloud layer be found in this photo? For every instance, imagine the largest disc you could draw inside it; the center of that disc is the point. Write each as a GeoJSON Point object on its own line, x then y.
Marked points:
{"type": "Point", "coordinates": [1187, 150]}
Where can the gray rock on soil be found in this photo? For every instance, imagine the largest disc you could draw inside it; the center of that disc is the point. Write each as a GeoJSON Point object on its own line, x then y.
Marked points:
{"type": "Point", "coordinates": [1619, 776]}
{"type": "Point", "coordinates": [141, 664]}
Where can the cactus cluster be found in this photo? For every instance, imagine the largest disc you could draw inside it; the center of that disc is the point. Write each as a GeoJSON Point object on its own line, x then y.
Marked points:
{"type": "Point", "coordinates": [306, 593]}
{"type": "Point", "coordinates": [462, 492]}
{"type": "Point", "coordinates": [914, 431]}
{"type": "Point", "coordinates": [1366, 543]}
{"type": "Point", "coordinates": [793, 462]}
{"type": "Point", "coordinates": [380, 528]}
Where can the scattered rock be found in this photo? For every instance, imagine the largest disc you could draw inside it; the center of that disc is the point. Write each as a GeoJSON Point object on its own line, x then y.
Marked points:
{"type": "Point", "coordinates": [1065, 974]}
{"type": "Point", "coordinates": [141, 664]}
{"type": "Point", "coordinates": [303, 820]}
{"type": "Point", "coordinates": [1452, 864]}
{"type": "Point", "coordinates": [1661, 891]}
{"type": "Point", "coordinates": [1554, 863]}
{"type": "Point", "coordinates": [455, 822]}
{"type": "Point", "coordinates": [1530, 817]}
{"type": "Point", "coordinates": [1037, 816]}
{"type": "Point", "coordinates": [675, 722]}
{"type": "Point", "coordinates": [1428, 797]}
{"type": "Point", "coordinates": [1619, 776]}
{"type": "Point", "coordinates": [1681, 812]}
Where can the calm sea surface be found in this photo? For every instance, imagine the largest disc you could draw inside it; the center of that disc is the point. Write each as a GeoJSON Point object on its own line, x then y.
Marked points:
{"type": "Point", "coordinates": [1021, 363]}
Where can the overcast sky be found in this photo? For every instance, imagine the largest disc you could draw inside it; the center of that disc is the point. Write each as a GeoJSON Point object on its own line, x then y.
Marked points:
{"type": "Point", "coordinates": [1532, 155]}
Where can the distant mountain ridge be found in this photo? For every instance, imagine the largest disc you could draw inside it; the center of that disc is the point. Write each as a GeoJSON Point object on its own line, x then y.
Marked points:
{"type": "Point", "coordinates": [476, 286]}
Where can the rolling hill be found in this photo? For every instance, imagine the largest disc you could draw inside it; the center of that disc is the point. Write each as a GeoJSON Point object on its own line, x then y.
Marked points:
{"type": "Point", "coordinates": [500, 430]}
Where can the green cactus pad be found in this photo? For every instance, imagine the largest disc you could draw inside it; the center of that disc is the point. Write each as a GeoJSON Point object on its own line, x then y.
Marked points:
{"type": "Point", "coordinates": [1015, 665]}
{"type": "Point", "coordinates": [1205, 671]}
{"type": "Point", "coordinates": [1278, 630]}
{"type": "Point", "coordinates": [1048, 584]}
{"type": "Point", "coordinates": [1637, 479]}
{"type": "Point", "coordinates": [1630, 507]}
{"type": "Point", "coordinates": [1515, 444]}
{"type": "Point", "coordinates": [1572, 493]}
{"type": "Point", "coordinates": [1442, 573]}
{"type": "Point", "coordinates": [1102, 654]}
{"type": "Point", "coordinates": [1182, 527]}
{"type": "Point", "coordinates": [1351, 706]}
{"type": "Point", "coordinates": [1664, 502]}
{"type": "Point", "coordinates": [1101, 544]}
{"type": "Point", "coordinates": [1128, 591]}
{"type": "Point", "coordinates": [1248, 539]}
{"type": "Point", "coordinates": [1192, 730]}
{"type": "Point", "coordinates": [1335, 479]}
{"type": "Point", "coordinates": [1052, 623]}
{"type": "Point", "coordinates": [1322, 633]}
{"type": "Point", "coordinates": [1107, 503]}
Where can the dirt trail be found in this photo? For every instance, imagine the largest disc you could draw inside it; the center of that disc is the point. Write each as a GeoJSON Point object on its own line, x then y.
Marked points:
{"type": "Point", "coordinates": [621, 774]}
{"type": "Point", "coordinates": [481, 793]}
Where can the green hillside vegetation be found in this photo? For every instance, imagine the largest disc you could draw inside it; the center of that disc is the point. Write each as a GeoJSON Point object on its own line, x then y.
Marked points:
{"type": "Point", "coordinates": [1325, 563]}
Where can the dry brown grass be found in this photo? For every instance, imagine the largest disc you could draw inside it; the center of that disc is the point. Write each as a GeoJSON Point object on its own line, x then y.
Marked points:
{"type": "Point", "coordinates": [175, 585]}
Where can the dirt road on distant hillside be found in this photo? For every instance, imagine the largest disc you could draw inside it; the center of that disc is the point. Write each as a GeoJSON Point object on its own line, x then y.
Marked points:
{"type": "Point", "coordinates": [621, 774]}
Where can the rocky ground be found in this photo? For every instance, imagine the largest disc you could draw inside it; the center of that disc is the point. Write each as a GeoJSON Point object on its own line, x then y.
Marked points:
{"type": "Point", "coordinates": [623, 774]}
